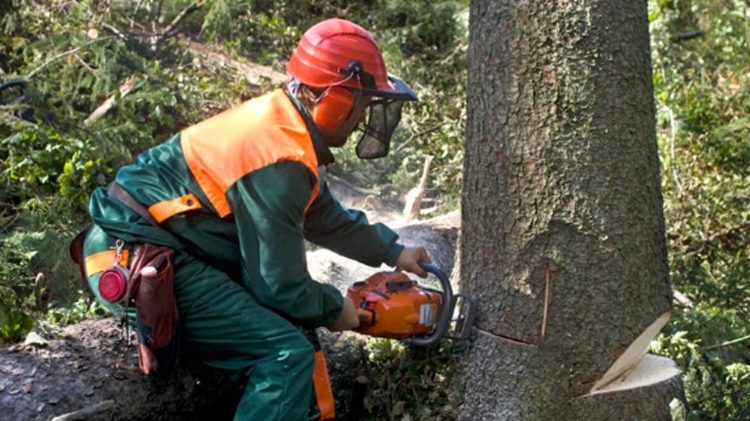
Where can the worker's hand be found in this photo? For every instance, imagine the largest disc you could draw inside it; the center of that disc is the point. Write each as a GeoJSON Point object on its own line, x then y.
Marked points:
{"type": "Point", "coordinates": [410, 258]}
{"type": "Point", "coordinates": [348, 318]}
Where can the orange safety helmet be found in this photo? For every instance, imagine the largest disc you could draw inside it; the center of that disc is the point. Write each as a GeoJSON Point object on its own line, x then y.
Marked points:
{"type": "Point", "coordinates": [340, 56]}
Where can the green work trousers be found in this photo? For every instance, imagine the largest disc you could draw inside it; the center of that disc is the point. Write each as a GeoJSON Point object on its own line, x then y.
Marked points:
{"type": "Point", "coordinates": [227, 329]}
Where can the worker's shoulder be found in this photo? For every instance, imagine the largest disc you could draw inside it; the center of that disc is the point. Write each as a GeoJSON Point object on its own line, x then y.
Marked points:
{"type": "Point", "coordinates": [288, 175]}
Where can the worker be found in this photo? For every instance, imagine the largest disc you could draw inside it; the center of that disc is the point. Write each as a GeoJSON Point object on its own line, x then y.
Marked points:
{"type": "Point", "coordinates": [235, 196]}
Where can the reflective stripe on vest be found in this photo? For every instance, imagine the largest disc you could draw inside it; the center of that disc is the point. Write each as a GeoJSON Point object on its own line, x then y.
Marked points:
{"type": "Point", "coordinates": [260, 132]}
{"type": "Point", "coordinates": [99, 262]}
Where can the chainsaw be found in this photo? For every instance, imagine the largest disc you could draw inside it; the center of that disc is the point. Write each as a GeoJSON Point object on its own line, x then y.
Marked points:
{"type": "Point", "coordinates": [392, 305]}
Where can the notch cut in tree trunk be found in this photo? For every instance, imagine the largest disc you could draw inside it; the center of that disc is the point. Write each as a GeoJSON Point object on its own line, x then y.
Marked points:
{"type": "Point", "coordinates": [633, 355]}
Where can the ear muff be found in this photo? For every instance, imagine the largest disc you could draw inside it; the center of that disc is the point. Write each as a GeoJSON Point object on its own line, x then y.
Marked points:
{"type": "Point", "coordinates": [333, 107]}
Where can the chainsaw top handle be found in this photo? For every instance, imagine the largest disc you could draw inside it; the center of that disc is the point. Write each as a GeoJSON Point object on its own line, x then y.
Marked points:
{"type": "Point", "coordinates": [446, 309]}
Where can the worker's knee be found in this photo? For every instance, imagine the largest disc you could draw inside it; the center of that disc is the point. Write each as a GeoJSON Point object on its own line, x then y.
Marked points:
{"type": "Point", "coordinates": [290, 357]}
{"type": "Point", "coordinates": [298, 351]}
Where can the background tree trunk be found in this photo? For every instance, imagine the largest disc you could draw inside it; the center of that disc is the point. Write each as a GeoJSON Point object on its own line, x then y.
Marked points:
{"type": "Point", "coordinates": [563, 230]}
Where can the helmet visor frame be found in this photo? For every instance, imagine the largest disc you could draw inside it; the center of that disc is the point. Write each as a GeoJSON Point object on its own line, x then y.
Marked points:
{"type": "Point", "coordinates": [400, 90]}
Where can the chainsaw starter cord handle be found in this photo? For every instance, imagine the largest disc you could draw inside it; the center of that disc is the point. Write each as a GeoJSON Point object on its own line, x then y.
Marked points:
{"type": "Point", "coordinates": [446, 309]}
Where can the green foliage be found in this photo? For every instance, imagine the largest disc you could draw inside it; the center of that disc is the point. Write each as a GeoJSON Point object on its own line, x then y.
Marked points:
{"type": "Point", "coordinates": [14, 323]}
{"type": "Point", "coordinates": [74, 68]}
{"type": "Point", "coordinates": [17, 287]}
{"type": "Point", "coordinates": [410, 382]}
{"type": "Point", "coordinates": [257, 29]}
{"type": "Point", "coordinates": [40, 161]}
{"type": "Point", "coordinates": [702, 101]}
{"type": "Point", "coordinates": [83, 308]}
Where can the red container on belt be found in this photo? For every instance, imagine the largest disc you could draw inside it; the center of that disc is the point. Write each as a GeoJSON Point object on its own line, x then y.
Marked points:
{"type": "Point", "coordinates": [113, 284]}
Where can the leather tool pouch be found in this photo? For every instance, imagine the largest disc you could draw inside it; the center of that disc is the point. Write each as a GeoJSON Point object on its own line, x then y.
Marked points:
{"type": "Point", "coordinates": [157, 320]}
{"type": "Point", "coordinates": [150, 286]}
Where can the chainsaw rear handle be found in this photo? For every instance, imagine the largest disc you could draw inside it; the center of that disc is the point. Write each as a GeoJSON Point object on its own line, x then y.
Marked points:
{"type": "Point", "coordinates": [446, 309]}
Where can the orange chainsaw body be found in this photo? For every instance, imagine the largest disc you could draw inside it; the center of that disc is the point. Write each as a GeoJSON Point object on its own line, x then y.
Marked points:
{"type": "Point", "coordinates": [391, 305]}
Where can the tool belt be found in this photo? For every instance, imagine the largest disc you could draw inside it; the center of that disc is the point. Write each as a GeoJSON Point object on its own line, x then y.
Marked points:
{"type": "Point", "coordinates": [150, 288]}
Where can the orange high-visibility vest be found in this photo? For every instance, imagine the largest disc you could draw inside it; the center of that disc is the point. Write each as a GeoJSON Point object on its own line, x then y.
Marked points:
{"type": "Point", "coordinates": [224, 148]}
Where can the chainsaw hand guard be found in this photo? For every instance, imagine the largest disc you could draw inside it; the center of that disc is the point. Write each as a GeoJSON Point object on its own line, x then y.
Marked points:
{"type": "Point", "coordinates": [446, 309]}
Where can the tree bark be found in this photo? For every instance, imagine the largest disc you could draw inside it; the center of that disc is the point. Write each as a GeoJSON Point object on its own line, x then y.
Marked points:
{"type": "Point", "coordinates": [562, 237]}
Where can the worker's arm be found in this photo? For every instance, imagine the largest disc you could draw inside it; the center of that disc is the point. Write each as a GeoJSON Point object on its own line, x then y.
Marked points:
{"type": "Point", "coordinates": [347, 232]}
{"type": "Point", "coordinates": [269, 208]}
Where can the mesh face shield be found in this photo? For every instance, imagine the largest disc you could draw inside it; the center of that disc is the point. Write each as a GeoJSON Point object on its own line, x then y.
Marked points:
{"type": "Point", "coordinates": [383, 117]}
{"type": "Point", "coordinates": [382, 120]}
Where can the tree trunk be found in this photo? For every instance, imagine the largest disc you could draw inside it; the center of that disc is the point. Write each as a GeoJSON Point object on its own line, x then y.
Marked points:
{"type": "Point", "coordinates": [563, 237]}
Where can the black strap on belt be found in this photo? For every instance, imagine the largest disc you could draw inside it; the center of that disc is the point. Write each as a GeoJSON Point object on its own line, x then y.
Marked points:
{"type": "Point", "coordinates": [123, 196]}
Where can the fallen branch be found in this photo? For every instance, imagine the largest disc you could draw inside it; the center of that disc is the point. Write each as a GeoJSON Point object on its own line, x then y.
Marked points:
{"type": "Point", "coordinates": [254, 73]}
{"type": "Point", "coordinates": [414, 136]}
{"type": "Point", "coordinates": [61, 55]}
{"type": "Point", "coordinates": [727, 343]}
{"type": "Point", "coordinates": [114, 30]}
{"type": "Point", "coordinates": [672, 139]}
{"type": "Point", "coordinates": [8, 215]}
{"type": "Point", "coordinates": [156, 35]}
{"type": "Point", "coordinates": [135, 12]}
{"type": "Point", "coordinates": [182, 15]}
{"type": "Point", "coordinates": [84, 64]}
{"type": "Point", "coordinates": [125, 89]}
{"type": "Point", "coordinates": [413, 199]}
{"type": "Point", "coordinates": [87, 412]}
{"type": "Point", "coordinates": [170, 29]}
